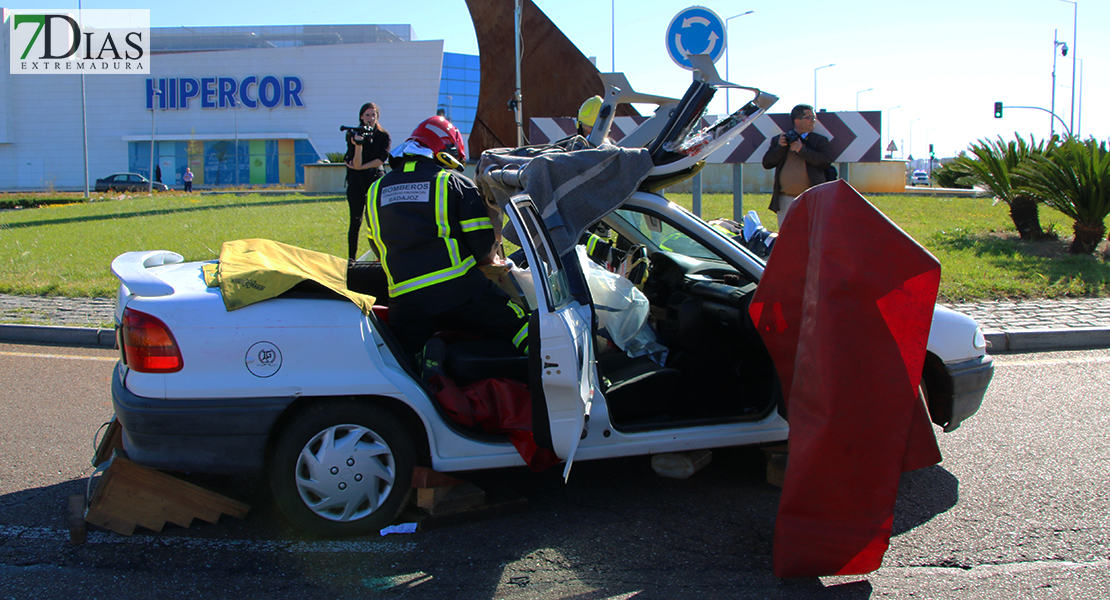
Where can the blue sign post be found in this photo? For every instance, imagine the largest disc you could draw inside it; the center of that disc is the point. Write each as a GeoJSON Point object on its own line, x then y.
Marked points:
{"type": "Point", "coordinates": [695, 30]}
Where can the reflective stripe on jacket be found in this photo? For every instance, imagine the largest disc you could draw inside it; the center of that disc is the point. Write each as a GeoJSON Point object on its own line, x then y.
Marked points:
{"type": "Point", "coordinates": [428, 226]}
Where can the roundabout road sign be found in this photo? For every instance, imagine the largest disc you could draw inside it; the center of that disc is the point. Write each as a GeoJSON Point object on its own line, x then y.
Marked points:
{"type": "Point", "coordinates": [695, 30]}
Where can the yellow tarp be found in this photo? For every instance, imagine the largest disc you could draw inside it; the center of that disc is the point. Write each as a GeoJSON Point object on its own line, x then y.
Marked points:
{"type": "Point", "coordinates": [254, 270]}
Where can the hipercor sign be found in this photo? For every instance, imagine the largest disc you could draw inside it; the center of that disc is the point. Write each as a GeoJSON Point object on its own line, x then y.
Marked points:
{"type": "Point", "coordinates": [67, 42]}
{"type": "Point", "coordinates": [254, 91]}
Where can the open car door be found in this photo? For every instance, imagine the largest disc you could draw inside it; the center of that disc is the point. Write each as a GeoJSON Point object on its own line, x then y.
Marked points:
{"type": "Point", "coordinates": [560, 349]}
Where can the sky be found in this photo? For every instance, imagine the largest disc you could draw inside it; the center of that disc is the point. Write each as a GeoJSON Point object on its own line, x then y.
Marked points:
{"type": "Point", "coordinates": [934, 69]}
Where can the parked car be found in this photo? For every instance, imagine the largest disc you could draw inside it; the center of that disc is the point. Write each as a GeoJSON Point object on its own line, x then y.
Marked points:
{"type": "Point", "coordinates": [128, 182]}
{"type": "Point", "coordinates": [919, 177]}
{"type": "Point", "coordinates": [317, 395]}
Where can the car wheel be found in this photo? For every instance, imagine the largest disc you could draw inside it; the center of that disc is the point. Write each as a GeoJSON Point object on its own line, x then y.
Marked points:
{"type": "Point", "coordinates": [342, 469]}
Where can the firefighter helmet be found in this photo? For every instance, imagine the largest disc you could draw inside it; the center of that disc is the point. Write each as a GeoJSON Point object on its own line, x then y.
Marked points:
{"type": "Point", "coordinates": [587, 113]}
{"type": "Point", "coordinates": [439, 135]}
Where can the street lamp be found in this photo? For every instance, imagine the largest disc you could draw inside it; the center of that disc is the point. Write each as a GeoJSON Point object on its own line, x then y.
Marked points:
{"type": "Point", "coordinates": [1079, 125]}
{"type": "Point", "coordinates": [728, 91]}
{"type": "Point", "coordinates": [1063, 48]}
{"type": "Point", "coordinates": [815, 83]}
{"type": "Point", "coordinates": [888, 125]}
{"type": "Point", "coordinates": [911, 135]}
{"type": "Point", "coordinates": [235, 112]}
{"type": "Point", "coordinates": [1074, 21]}
{"type": "Point", "coordinates": [860, 92]}
{"type": "Point", "coordinates": [157, 92]}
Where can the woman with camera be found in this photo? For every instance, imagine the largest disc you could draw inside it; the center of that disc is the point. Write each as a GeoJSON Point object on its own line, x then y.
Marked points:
{"type": "Point", "coordinates": [367, 153]}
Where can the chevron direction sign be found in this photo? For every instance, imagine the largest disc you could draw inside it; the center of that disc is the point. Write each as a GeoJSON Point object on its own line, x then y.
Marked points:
{"type": "Point", "coordinates": [853, 136]}
{"type": "Point", "coordinates": [544, 130]}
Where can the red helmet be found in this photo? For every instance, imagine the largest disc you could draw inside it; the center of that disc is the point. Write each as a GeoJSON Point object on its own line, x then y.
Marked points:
{"type": "Point", "coordinates": [439, 135]}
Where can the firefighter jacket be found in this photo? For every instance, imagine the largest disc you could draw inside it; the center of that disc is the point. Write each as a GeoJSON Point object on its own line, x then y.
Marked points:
{"type": "Point", "coordinates": [430, 228]}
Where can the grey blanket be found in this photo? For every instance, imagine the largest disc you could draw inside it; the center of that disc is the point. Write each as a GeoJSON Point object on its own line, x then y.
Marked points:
{"type": "Point", "coordinates": [572, 190]}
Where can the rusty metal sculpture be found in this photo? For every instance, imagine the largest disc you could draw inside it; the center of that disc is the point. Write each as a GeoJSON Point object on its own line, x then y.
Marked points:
{"type": "Point", "coordinates": [555, 76]}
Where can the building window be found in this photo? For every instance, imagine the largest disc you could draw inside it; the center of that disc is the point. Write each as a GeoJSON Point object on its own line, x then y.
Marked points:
{"type": "Point", "coordinates": [459, 84]}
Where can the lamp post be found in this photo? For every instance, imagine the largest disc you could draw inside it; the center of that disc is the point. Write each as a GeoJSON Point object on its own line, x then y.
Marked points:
{"type": "Point", "coordinates": [84, 117]}
{"type": "Point", "coordinates": [155, 95]}
{"type": "Point", "coordinates": [888, 125]}
{"type": "Point", "coordinates": [861, 92]}
{"type": "Point", "coordinates": [1074, 21]}
{"type": "Point", "coordinates": [728, 92]}
{"type": "Point", "coordinates": [911, 135]}
{"type": "Point", "coordinates": [815, 83]}
{"type": "Point", "coordinates": [235, 112]}
{"type": "Point", "coordinates": [1063, 47]}
{"type": "Point", "coordinates": [1079, 125]}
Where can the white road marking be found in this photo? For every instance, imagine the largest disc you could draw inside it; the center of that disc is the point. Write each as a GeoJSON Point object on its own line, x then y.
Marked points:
{"type": "Point", "coordinates": [104, 538]}
{"type": "Point", "coordinates": [1052, 361]}
{"type": "Point", "coordinates": [66, 356]}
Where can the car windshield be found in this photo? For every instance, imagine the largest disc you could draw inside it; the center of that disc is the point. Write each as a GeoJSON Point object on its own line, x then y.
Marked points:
{"type": "Point", "coordinates": [664, 236]}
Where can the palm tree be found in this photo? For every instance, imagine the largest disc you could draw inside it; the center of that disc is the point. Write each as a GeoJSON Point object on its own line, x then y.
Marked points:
{"type": "Point", "coordinates": [992, 164]}
{"type": "Point", "coordinates": [1073, 178]}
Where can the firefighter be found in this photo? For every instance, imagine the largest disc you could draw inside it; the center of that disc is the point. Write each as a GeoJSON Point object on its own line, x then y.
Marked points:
{"type": "Point", "coordinates": [431, 230]}
{"type": "Point", "coordinates": [587, 115]}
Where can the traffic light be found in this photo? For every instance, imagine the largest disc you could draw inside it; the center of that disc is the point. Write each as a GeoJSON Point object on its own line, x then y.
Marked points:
{"type": "Point", "coordinates": [998, 110]}
{"type": "Point", "coordinates": [931, 155]}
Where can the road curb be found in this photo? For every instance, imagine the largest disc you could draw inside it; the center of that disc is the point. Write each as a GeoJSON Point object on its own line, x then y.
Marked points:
{"type": "Point", "coordinates": [1047, 340]}
{"type": "Point", "coordinates": [58, 336]}
{"type": "Point", "coordinates": [999, 342]}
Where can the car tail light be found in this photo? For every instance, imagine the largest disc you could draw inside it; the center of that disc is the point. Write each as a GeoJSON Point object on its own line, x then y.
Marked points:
{"type": "Point", "coordinates": [147, 344]}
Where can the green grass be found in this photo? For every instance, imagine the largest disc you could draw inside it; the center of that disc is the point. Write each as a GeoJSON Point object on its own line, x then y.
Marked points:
{"type": "Point", "coordinates": [975, 241]}
{"type": "Point", "coordinates": [67, 249]}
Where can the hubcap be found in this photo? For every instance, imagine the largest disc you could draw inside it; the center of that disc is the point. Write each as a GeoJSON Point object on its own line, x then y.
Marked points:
{"type": "Point", "coordinates": [345, 472]}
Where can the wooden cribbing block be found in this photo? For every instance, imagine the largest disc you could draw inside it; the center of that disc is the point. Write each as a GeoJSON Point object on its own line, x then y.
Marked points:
{"type": "Point", "coordinates": [777, 457]}
{"type": "Point", "coordinates": [423, 477]}
{"type": "Point", "coordinates": [130, 495]}
{"type": "Point", "coordinates": [448, 499]}
{"type": "Point", "coordinates": [438, 493]}
{"type": "Point", "coordinates": [77, 531]}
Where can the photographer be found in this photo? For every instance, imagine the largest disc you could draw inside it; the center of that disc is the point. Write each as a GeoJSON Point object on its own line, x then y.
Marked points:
{"type": "Point", "coordinates": [800, 159]}
{"type": "Point", "coordinates": [367, 152]}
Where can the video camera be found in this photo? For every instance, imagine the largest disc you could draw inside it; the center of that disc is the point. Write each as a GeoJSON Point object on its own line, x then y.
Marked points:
{"type": "Point", "coordinates": [362, 130]}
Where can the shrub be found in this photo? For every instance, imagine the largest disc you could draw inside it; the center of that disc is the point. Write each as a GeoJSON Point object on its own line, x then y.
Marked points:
{"type": "Point", "coordinates": [992, 165]}
{"type": "Point", "coordinates": [1073, 178]}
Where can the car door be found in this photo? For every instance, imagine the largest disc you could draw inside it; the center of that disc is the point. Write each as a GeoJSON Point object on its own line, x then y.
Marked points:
{"type": "Point", "coordinates": [559, 338]}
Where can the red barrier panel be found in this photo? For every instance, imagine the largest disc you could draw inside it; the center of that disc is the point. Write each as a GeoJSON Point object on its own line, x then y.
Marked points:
{"type": "Point", "coordinates": [844, 306]}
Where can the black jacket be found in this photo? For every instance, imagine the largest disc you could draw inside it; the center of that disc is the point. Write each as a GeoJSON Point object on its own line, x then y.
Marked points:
{"type": "Point", "coordinates": [375, 145]}
{"type": "Point", "coordinates": [430, 229]}
{"type": "Point", "coordinates": [815, 151]}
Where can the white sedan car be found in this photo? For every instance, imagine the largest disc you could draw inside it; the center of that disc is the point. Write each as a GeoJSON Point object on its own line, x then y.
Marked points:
{"type": "Point", "coordinates": [315, 393]}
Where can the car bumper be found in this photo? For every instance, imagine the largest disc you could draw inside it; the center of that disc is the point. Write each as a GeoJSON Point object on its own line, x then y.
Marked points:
{"type": "Point", "coordinates": [198, 435]}
{"type": "Point", "coordinates": [969, 385]}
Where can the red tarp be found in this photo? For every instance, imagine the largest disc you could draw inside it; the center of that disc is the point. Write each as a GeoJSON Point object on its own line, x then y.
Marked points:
{"type": "Point", "coordinates": [845, 306]}
{"type": "Point", "coordinates": [497, 406]}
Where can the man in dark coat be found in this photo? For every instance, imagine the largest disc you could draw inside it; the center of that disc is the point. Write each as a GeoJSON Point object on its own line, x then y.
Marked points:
{"type": "Point", "coordinates": [800, 159]}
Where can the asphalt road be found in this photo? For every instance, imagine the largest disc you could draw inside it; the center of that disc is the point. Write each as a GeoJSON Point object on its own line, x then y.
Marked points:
{"type": "Point", "coordinates": [1020, 508]}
